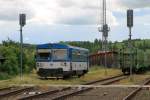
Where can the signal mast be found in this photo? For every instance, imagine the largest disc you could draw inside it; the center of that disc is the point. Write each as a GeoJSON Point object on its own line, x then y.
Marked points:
{"type": "Point", "coordinates": [104, 29]}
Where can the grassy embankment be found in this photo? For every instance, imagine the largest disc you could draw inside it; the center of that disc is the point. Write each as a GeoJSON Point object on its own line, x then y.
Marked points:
{"type": "Point", "coordinates": [136, 79]}
{"type": "Point", "coordinates": [94, 74]}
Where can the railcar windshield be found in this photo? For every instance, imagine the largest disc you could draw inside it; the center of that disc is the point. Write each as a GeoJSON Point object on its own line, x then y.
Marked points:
{"type": "Point", "coordinates": [43, 54]}
{"type": "Point", "coordinates": [59, 54]}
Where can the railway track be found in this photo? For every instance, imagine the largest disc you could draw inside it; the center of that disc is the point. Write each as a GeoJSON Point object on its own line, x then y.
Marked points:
{"type": "Point", "coordinates": [110, 79]}
{"type": "Point", "coordinates": [5, 92]}
{"type": "Point", "coordinates": [68, 91]}
{"type": "Point", "coordinates": [134, 92]}
{"type": "Point", "coordinates": [14, 93]}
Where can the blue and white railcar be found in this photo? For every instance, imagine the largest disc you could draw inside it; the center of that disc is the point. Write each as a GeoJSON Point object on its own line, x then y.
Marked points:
{"type": "Point", "coordinates": [59, 60]}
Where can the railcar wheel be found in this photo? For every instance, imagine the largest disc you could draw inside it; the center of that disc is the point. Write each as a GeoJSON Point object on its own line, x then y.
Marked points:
{"type": "Point", "coordinates": [79, 75]}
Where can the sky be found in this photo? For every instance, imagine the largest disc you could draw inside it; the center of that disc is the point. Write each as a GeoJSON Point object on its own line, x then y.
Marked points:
{"type": "Point", "coordinates": [51, 21]}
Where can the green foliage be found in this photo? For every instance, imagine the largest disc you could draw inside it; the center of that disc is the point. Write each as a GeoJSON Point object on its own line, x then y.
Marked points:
{"type": "Point", "coordinates": [115, 46]}
{"type": "Point", "coordinates": [10, 50]}
{"type": "Point", "coordinates": [92, 46]}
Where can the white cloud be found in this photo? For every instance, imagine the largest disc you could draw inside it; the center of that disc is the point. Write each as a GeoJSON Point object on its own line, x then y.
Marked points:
{"type": "Point", "coordinates": [66, 13]}
{"type": "Point", "coordinates": [133, 3]}
{"type": "Point", "coordinates": [142, 20]}
{"type": "Point", "coordinates": [9, 9]}
{"type": "Point", "coordinates": [69, 12]}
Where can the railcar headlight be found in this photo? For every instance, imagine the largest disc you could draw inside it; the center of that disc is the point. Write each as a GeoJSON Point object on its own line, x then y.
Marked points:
{"type": "Point", "coordinates": [37, 64]}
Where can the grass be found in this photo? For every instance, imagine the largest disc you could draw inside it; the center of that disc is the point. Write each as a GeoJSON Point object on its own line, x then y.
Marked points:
{"type": "Point", "coordinates": [136, 79]}
{"type": "Point", "coordinates": [94, 74]}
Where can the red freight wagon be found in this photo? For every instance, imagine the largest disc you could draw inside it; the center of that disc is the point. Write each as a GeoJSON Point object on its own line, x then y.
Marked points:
{"type": "Point", "coordinates": [99, 59]}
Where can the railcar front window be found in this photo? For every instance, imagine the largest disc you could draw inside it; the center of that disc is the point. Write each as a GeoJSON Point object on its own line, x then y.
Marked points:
{"type": "Point", "coordinates": [59, 54]}
{"type": "Point", "coordinates": [45, 56]}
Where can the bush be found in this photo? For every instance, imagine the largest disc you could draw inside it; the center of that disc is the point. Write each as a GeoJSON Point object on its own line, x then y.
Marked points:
{"type": "Point", "coordinates": [4, 76]}
{"type": "Point", "coordinates": [11, 51]}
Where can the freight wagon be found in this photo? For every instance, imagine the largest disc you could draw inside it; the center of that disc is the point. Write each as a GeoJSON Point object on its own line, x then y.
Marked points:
{"type": "Point", "coordinates": [99, 59]}
{"type": "Point", "coordinates": [138, 60]}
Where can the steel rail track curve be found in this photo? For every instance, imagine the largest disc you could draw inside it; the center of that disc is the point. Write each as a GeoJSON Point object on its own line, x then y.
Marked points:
{"type": "Point", "coordinates": [134, 92]}
{"type": "Point", "coordinates": [15, 91]}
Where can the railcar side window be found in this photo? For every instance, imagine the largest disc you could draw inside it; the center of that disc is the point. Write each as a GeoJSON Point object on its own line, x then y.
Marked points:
{"type": "Point", "coordinates": [59, 54]}
{"type": "Point", "coordinates": [79, 56]}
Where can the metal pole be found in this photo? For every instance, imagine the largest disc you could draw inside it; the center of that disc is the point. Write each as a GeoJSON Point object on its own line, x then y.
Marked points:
{"type": "Point", "coordinates": [103, 13]}
{"type": "Point", "coordinates": [21, 52]}
{"type": "Point", "coordinates": [105, 35]}
{"type": "Point", "coordinates": [130, 47]}
{"type": "Point", "coordinates": [105, 56]}
{"type": "Point", "coordinates": [103, 22]}
{"type": "Point", "coordinates": [130, 34]}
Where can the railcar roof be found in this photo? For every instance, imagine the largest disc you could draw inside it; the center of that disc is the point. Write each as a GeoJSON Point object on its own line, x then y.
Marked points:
{"type": "Point", "coordinates": [59, 46]}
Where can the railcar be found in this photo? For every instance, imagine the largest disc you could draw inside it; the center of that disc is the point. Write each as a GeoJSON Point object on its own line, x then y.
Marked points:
{"type": "Point", "coordinates": [60, 60]}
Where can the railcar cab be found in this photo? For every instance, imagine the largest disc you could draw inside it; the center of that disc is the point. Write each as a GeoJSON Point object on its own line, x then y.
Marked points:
{"type": "Point", "coordinates": [59, 60]}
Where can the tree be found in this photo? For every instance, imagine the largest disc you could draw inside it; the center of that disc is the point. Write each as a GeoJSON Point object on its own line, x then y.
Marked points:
{"type": "Point", "coordinates": [11, 51]}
